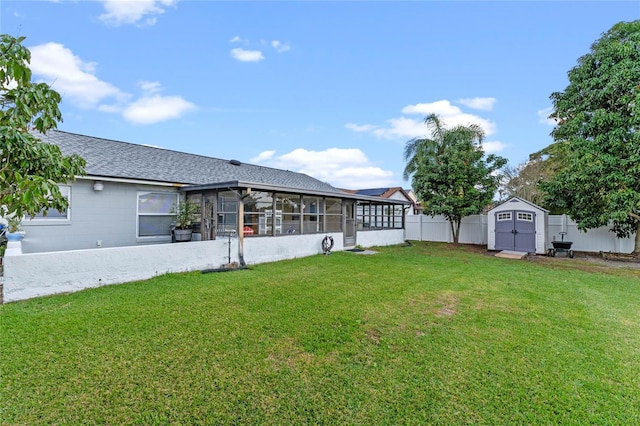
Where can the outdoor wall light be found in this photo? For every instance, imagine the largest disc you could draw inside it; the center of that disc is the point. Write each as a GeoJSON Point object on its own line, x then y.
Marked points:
{"type": "Point", "coordinates": [98, 185]}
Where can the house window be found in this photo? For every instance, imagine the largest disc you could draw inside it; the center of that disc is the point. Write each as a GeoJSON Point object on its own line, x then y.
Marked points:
{"type": "Point", "coordinates": [154, 213]}
{"type": "Point", "coordinates": [379, 216]}
{"type": "Point", "coordinates": [53, 215]}
{"type": "Point", "coordinates": [288, 205]}
{"type": "Point", "coordinates": [312, 215]}
{"type": "Point", "coordinates": [258, 215]}
{"type": "Point", "coordinates": [227, 212]}
{"type": "Point", "coordinates": [376, 216]}
{"type": "Point", "coordinates": [504, 216]}
{"type": "Point", "coordinates": [196, 199]}
{"type": "Point", "coordinates": [333, 215]}
{"type": "Point", "coordinates": [528, 217]}
{"type": "Point", "coordinates": [393, 216]}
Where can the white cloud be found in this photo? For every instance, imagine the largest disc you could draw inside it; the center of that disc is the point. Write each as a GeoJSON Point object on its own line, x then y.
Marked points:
{"type": "Point", "coordinates": [450, 114]}
{"type": "Point", "coordinates": [485, 104]}
{"type": "Point", "coordinates": [360, 128]}
{"type": "Point", "coordinates": [150, 87]}
{"type": "Point", "coordinates": [493, 146]}
{"type": "Point", "coordinates": [409, 128]}
{"type": "Point", "coordinates": [76, 81]}
{"type": "Point", "coordinates": [153, 108]}
{"type": "Point", "coordinates": [139, 12]}
{"type": "Point", "coordinates": [279, 46]}
{"type": "Point", "coordinates": [442, 108]}
{"type": "Point", "coordinates": [341, 167]}
{"type": "Point", "coordinates": [402, 127]}
{"type": "Point", "coordinates": [246, 55]}
{"type": "Point", "coordinates": [73, 78]}
{"type": "Point", "coordinates": [262, 157]}
{"type": "Point", "coordinates": [543, 116]}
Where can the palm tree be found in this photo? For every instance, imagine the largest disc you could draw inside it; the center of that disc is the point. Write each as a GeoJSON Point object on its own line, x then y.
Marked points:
{"type": "Point", "coordinates": [450, 173]}
{"type": "Point", "coordinates": [420, 150]}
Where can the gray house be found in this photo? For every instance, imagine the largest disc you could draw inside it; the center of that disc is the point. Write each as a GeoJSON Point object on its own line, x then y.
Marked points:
{"type": "Point", "coordinates": [127, 197]}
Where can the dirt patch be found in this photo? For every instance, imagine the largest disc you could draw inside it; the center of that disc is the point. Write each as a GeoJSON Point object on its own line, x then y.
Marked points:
{"type": "Point", "coordinates": [447, 307]}
{"type": "Point", "coordinates": [621, 257]}
{"type": "Point", "coordinates": [446, 311]}
{"type": "Point", "coordinates": [591, 260]}
{"type": "Point", "coordinates": [373, 336]}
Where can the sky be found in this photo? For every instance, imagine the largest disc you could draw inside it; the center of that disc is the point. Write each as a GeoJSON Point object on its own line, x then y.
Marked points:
{"type": "Point", "coordinates": [333, 89]}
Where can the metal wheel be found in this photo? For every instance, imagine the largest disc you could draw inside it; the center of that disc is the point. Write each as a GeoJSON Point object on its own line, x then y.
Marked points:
{"type": "Point", "coordinates": [571, 254]}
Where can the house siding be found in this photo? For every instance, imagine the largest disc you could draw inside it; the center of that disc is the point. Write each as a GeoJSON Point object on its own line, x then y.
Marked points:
{"type": "Point", "coordinates": [108, 216]}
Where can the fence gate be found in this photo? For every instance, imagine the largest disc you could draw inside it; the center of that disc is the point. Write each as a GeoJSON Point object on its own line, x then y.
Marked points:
{"type": "Point", "coordinates": [516, 230]}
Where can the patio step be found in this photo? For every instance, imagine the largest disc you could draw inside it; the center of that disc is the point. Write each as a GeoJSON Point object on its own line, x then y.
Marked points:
{"type": "Point", "coordinates": [508, 254]}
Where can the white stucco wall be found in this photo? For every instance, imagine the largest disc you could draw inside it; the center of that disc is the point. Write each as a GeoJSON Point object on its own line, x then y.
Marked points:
{"type": "Point", "coordinates": [263, 250]}
{"type": "Point", "coordinates": [40, 274]}
{"type": "Point", "coordinates": [387, 237]}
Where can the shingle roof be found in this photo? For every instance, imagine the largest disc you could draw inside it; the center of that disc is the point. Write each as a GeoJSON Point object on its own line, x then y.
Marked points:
{"type": "Point", "coordinates": [109, 158]}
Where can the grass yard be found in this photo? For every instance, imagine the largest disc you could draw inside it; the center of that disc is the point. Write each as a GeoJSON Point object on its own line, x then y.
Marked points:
{"type": "Point", "coordinates": [427, 334]}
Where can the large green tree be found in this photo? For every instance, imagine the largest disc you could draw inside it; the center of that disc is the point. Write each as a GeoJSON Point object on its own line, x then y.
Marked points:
{"type": "Point", "coordinates": [29, 169]}
{"type": "Point", "coordinates": [524, 181]}
{"type": "Point", "coordinates": [450, 173]}
{"type": "Point", "coordinates": [598, 117]}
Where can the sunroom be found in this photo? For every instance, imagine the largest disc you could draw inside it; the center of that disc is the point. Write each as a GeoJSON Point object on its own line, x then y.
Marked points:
{"type": "Point", "coordinates": [261, 210]}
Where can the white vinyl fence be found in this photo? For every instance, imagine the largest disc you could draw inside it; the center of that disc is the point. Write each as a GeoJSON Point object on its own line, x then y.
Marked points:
{"type": "Point", "coordinates": [474, 231]}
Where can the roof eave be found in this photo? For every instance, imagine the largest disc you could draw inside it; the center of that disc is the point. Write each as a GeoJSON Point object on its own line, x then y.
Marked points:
{"type": "Point", "coordinates": [268, 187]}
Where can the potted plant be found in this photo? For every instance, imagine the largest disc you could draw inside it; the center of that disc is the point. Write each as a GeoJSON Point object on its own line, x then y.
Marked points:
{"type": "Point", "coordinates": [14, 232]}
{"type": "Point", "coordinates": [185, 215]}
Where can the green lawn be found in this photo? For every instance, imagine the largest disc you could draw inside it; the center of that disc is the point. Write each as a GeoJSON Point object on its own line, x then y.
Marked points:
{"type": "Point", "coordinates": [427, 334]}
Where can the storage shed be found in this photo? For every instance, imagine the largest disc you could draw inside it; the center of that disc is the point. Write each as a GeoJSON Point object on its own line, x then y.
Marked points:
{"type": "Point", "coordinates": [518, 225]}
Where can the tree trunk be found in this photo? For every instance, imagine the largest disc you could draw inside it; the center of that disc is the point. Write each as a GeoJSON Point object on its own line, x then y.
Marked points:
{"type": "Point", "coordinates": [636, 245]}
{"type": "Point", "coordinates": [455, 230]}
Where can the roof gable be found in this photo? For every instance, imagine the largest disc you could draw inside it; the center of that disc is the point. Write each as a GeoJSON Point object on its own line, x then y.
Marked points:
{"type": "Point", "coordinates": [504, 204]}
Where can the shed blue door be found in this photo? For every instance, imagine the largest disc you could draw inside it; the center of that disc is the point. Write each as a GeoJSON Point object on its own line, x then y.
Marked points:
{"type": "Point", "coordinates": [516, 230]}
